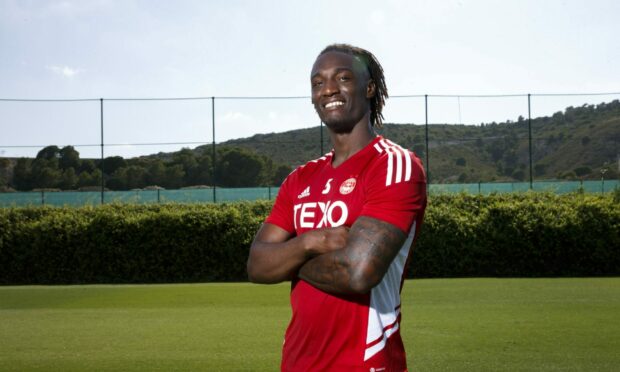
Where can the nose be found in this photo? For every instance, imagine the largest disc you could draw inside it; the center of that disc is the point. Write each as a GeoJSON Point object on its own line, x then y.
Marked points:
{"type": "Point", "coordinates": [330, 87]}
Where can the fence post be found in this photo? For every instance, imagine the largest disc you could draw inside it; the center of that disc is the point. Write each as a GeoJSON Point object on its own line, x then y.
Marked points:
{"type": "Point", "coordinates": [158, 200]}
{"type": "Point", "coordinates": [428, 174]}
{"type": "Point", "coordinates": [529, 125]}
{"type": "Point", "coordinates": [102, 169]}
{"type": "Point", "coordinates": [213, 143]}
{"type": "Point", "coordinates": [42, 197]}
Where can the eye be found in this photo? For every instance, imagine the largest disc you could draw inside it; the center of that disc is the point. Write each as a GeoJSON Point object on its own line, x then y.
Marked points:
{"type": "Point", "coordinates": [316, 83]}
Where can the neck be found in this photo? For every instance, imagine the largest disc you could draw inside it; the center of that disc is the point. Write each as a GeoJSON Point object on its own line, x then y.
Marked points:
{"type": "Point", "coordinates": [347, 144]}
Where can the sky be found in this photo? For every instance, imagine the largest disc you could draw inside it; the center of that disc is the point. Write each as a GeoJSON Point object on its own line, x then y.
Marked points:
{"type": "Point", "coordinates": [92, 49]}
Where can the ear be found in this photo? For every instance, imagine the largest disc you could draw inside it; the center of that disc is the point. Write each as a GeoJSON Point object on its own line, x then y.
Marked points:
{"type": "Point", "coordinates": [371, 89]}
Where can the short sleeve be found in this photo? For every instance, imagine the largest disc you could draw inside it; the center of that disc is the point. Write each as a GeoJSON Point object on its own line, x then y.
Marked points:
{"type": "Point", "coordinates": [282, 211]}
{"type": "Point", "coordinates": [395, 188]}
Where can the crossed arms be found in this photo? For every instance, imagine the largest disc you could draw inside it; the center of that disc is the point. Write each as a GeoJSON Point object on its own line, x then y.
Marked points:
{"type": "Point", "coordinates": [337, 260]}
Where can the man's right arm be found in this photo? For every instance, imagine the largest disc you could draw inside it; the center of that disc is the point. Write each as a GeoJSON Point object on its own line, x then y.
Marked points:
{"type": "Point", "coordinates": [275, 255]}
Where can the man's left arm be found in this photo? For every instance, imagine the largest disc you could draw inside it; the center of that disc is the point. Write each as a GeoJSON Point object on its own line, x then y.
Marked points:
{"type": "Point", "coordinates": [395, 200]}
{"type": "Point", "coordinates": [361, 264]}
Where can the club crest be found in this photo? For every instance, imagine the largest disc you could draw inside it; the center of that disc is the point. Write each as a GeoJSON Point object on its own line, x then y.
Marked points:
{"type": "Point", "coordinates": [347, 186]}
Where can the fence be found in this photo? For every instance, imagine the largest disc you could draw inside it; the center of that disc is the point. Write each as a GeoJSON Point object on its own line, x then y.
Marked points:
{"type": "Point", "coordinates": [79, 198]}
{"type": "Point", "coordinates": [137, 127]}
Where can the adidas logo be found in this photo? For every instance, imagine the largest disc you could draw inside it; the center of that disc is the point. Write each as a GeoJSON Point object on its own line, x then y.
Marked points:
{"type": "Point", "coordinates": [304, 193]}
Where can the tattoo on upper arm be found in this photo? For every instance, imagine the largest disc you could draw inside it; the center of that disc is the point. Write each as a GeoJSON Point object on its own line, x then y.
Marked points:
{"type": "Point", "coordinates": [378, 241]}
{"type": "Point", "coordinates": [371, 248]}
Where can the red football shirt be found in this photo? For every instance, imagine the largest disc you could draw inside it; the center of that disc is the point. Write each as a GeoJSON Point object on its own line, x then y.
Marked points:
{"type": "Point", "coordinates": [351, 332]}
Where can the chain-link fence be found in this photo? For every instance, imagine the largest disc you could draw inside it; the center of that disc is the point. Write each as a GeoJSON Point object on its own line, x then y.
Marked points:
{"type": "Point", "coordinates": [474, 143]}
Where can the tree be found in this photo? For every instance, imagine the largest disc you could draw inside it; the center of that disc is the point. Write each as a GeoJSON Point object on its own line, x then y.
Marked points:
{"type": "Point", "coordinates": [45, 173]}
{"type": "Point", "coordinates": [22, 174]}
{"type": "Point", "coordinates": [112, 163]}
{"type": "Point", "coordinates": [184, 157]}
{"type": "Point", "coordinates": [68, 180]}
{"type": "Point", "coordinates": [69, 158]}
{"type": "Point", "coordinates": [117, 180]}
{"type": "Point", "coordinates": [46, 178]}
{"type": "Point", "coordinates": [85, 179]}
{"type": "Point", "coordinates": [558, 117]}
{"type": "Point", "coordinates": [127, 178]}
{"type": "Point", "coordinates": [49, 152]}
{"type": "Point", "coordinates": [518, 175]}
{"type": "Point", "coordinates": [4, 172]}
{"type": "Point", "coordinates": [419, 149]}
{"type": "Point", "coordinates": [4, 164]}
{"type": "Point", "coordinates": [203, 174]}
{"type": "Point", "coordinates": [87, 165]}
{"type": "Point", "coordinates": [136, 177]}
{"type": "Point", "coordinates": [238, 167]}
{"type": "Point", "coordinates": [89, 179]}
{"type": "Point", "coordinates": [174, 176]}
{"type": "Point", "coordinates": [569, 114]}
{"type": "Point", "coordinates": [582, 171]}
{"type": "Point", "coordinates": [496, 149]}
{"type": "Point", "coordinates": [187, 160]}
{"type": "Point", "coordinates": [570, 175]}
{"type": "Point", "coordinates": [156, 173]}
{"type": "Point", "coordinates": [281, 172]}
{"type": "Point", "coordinates": [540, 169]}
{"type": "Point", "coordinates": [510, 158]}
{"type": "Point", "coordinates": [96, 177]}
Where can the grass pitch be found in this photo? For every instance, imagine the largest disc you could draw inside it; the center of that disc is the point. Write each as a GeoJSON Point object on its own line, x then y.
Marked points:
{"type": "Point", "coordinates": [448, 325]}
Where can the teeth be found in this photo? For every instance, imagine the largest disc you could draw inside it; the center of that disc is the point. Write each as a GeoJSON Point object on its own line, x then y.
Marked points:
{"type": "Point", "coordinates": [334, 104]}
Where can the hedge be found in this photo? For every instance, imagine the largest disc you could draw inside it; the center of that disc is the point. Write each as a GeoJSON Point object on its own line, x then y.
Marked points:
{"type": "Point", "coordinates": [528, 234]}
{"type": "Point", "coordinates": [127, 243]}
{"type": "Point", "coordinates": [519, 235]}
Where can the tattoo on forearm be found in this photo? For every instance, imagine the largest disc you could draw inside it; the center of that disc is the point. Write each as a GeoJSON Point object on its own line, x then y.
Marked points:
{"type": "Point", "coordinates": [371, 247]}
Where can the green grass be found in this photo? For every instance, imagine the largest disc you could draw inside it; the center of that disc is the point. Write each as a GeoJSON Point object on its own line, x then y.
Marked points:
{"type": "Point", "coordinates": [448, 325]}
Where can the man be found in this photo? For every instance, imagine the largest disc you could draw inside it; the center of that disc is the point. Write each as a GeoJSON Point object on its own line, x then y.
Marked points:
{"type": "Point", "coordinates": [342, 227]}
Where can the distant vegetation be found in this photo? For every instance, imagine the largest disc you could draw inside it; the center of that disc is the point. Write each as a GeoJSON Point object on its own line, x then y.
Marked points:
{"type": "Point", "coordinates": [575, 144]}
{"type": "Point", "coordinates": [578, 143]}
{"type": "Point", "coordinates": [62, 168]}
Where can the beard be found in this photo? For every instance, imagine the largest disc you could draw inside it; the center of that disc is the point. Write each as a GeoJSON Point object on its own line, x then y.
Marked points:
{"type": "Point", "coordinates": [340, 126]}
{"type": "Point", "coordinates": [343, 123]}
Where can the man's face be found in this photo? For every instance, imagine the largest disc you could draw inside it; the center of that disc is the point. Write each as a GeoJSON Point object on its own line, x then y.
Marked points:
{"type": "Point", "coordinates": [341, 88]}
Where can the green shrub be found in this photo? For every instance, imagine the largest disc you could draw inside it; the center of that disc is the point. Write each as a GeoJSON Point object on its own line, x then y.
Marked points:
{"type": "Point", "coordinates": [529, 234]}
{"type": "Point", "coordinates": [127, 243]}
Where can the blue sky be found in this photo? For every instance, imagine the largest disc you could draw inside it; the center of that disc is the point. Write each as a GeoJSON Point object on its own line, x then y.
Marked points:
{"type": "Point", "coordinates": [137, 49]}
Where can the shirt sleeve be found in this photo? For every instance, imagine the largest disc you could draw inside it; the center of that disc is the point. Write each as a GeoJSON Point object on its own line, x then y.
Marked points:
{"type": "Point", "coordinates": [282, 211]}
{"type": "Point", "coordinates": [396, 188]}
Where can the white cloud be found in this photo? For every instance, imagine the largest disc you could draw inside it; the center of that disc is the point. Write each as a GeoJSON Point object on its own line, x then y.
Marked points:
{"type": "Point", "coordinates": [64, 71]}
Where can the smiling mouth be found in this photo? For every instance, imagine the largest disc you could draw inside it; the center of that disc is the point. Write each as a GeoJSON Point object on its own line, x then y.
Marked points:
{"type": "Point", "coordinates": [333, 104]}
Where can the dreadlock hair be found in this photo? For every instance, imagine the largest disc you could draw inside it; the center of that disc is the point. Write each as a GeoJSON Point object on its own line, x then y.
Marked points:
{"type": "Point", "coordinates": [376, 74]}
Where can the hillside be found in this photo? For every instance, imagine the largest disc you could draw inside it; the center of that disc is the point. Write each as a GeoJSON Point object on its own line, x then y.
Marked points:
{"type": "Point", "coordinates": [574, 144]}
